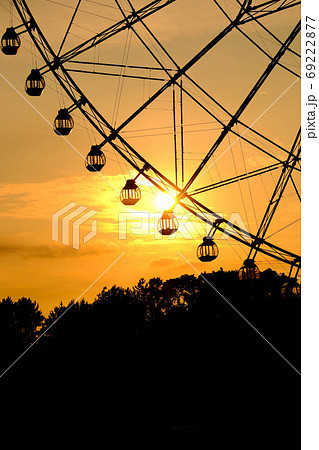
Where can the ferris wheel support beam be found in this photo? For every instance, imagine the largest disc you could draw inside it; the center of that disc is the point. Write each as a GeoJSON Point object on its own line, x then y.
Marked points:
{"type": "Point", "coordinates": [174, 78]}
{"type": "Point", "coordinates": [181, 71]}
{"type": "Point", "coordinates": [241, 177]}
{"type": "Point", "coordinates": [259, 10]}
{"type": "Point", "coordinates": [245, 103]}
{"type": "Point", "coordinates": [239, 122]}
{"type": "Point", "coordinates": [240, 235]}
{"type": "Point", "coordinates": [180, 84]}
{"type": "Point", "coordinates": [277, 196]}
{"type": "Point", "coordinates": [97, 39]}
{"type": "Point", "coordinates": [233, 231]}
{"type": "Point", "coordinates": [255, 43]}
{"type": "Point", "coordinates": [245, 8]}
{"type": "Point", "coordinates": [295, 187]}
{"type": "Point", "coordinates": [232, 130]}
{"type": "Point", "coordinates": [260, 24]}
{"type": "Point", "coordinates": [217, 103]}
{"type": "Point", "coordinates": [69, 26]}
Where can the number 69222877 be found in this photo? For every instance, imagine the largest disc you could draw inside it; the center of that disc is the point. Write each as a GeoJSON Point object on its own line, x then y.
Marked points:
{"type": "Point", "coordinates": [310, 47]}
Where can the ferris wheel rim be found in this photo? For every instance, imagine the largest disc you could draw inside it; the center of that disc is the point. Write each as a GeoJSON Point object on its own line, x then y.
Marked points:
{"type": "Point", "coordinates": [53, 69]}
{"type": "Point", "coordinates": [217, 2]}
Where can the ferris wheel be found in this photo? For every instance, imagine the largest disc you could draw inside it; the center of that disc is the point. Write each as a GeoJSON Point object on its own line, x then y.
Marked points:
{"type": "Point", "coordinates": [232, 153]}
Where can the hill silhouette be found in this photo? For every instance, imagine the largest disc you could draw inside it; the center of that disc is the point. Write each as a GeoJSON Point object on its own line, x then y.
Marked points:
{"type": "Point", "coordinates": [171, 357]}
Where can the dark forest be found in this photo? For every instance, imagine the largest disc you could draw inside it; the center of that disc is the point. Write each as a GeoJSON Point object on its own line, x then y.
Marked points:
{"type": "Point", "coordinates": [163, 356]}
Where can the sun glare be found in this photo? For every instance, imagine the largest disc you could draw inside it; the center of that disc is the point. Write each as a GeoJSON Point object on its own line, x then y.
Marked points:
{"type": "Point", "coordinates": [164, 201]}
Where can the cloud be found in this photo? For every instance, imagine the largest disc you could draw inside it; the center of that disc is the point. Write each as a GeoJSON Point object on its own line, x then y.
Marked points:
{"type": "Point", "coordinates": [26, 251]}
{"type": "Point", "coordinates": [164, 262]}
{"type": "Point", "coordinates": [39, 200]}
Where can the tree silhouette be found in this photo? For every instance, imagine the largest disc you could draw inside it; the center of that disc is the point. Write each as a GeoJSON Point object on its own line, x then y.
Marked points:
{"type": "Point", "coordinates": [165, 355]}
{"type": "Point", "coordinates": [20, 325]}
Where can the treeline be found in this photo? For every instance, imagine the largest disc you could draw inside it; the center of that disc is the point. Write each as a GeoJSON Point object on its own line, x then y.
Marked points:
{"type": "Point", "coordinates": [184, 354]}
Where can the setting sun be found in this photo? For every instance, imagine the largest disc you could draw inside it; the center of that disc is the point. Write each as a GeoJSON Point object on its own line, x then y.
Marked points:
{"type": "Point", "coordinates": [164, 201]}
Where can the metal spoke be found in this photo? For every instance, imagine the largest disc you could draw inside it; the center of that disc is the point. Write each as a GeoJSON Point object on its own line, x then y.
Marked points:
{"type": "Point", "coordinates": [241, 177]}
{"type": "Point", "coordinates": [245, 103]}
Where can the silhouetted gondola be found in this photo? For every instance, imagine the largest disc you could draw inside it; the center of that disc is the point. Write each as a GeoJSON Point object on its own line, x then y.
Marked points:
{"type": "Point", "coordinates": [207, 251]}
{"type": "Point", "coordinates": [249, 270]}
{"type": "Point", "coordinates": [35, 83]}
{"type": "Point", "coordinates": [63, 123]}
{"type": "Point", "coordinates": [167, 224]}
{"type": "Point", "coordinates": [291, 289]}
{"type": "Point", "coordinates": [10, 42]}
{"type": "Point", "coordinates": [131, 193]}
{"type": "Point", "coordinates": [95, 159]}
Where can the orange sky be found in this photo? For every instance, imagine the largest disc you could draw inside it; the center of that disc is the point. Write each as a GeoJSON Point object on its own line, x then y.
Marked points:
{"type": "Point", "coordinates": [41, 172]}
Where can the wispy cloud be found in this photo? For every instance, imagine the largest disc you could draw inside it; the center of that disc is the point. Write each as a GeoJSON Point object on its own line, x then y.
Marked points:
{"type": "Point", "coordinates": [160, 262]}
{"type": "Point", "coordinates": [39, 200]}
{"type": "Point", "coordinates": [49, 251]}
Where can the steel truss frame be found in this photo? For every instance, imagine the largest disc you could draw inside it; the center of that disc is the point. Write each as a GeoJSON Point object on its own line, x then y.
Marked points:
{"type": "Point", "coordinates": [55, 63]}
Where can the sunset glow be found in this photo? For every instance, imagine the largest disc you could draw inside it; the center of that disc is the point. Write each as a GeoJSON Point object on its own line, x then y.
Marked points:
{"type": "Point", "coordinates": [164, 201]}
{"type": "Point", "coordinates": [42, 172]}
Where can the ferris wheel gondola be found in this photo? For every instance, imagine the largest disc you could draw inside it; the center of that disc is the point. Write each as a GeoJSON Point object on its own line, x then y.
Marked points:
{"type": "Point", "coordinates": [63, 123]}
{"type": "Point", "coordinates": [291, 289]}
{"type": "Point", "coordinates": [207, 251]}
{"type": "Point", "coordinates": [10, 42]}
{"type": "Point", "coordinates": [95, 159]}
{"type": "Point", "coordinates": [249, 270]}
{"type": "Point", "coordinates": [130, 194]}
{"type": "Point", "coordinates": [167, 224]}
{"type": "Point", "coordinates": [35, 83]}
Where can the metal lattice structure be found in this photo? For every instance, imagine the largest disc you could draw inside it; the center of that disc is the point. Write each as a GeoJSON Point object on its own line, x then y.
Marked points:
{"type": "Point", "coordinates": [177, 79]}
